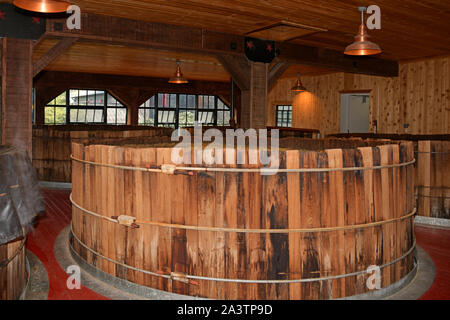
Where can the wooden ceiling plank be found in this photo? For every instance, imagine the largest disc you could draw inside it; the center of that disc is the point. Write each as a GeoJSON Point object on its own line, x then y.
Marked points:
{"type": "Point", "coordinates": [52, 54]}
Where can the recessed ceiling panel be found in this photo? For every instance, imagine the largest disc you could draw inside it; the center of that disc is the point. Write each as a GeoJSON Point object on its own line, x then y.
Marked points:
{"type": "Point", "coordinates": [284, 31]}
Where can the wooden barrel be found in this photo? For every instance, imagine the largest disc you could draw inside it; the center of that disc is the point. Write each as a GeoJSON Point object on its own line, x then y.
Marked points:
{"type": "Point", "coordinates": [308, 233]}
{"type": "Point", "coordinates": [52, 145]}
{"type": "Point", "coordinates": [13, 275]}
{"type": "Point", "coordinates": [20, 201]}
{"type": "Point", "coordinates": [433, 179]}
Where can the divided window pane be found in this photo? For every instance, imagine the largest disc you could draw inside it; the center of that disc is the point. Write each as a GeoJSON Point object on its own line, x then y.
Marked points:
{"type": "Point", "coordinates": [85, 106]}
{"type": "Point", "coordinates": [183, 110]}
{"type": "Point", "coordinates": [284, 116]}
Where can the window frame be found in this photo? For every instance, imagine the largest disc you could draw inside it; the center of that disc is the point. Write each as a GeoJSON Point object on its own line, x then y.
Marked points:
{"type": "Point", "coordinates": [281, 122]}
{"type": "Point", "coordinates": [178, 109]}
{"type": "Point", "coordinates": [104, 107]}
{"type": "Point", "coordinates": [54, 106]}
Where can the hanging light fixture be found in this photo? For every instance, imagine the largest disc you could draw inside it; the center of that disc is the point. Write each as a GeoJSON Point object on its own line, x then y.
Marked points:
{"type": "Point", "coordinates": [178, 78]}
{"type": "Point", "coordinates": [298, 87]}
{"type": "Point", "coordinates": [362, 46]}
{"type": "Point", "coordinates": [42, 6]}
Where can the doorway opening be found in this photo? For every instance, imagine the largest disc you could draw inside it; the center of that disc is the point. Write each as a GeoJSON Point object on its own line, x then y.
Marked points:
{"type": "Point", "coordinates": [355, 112]}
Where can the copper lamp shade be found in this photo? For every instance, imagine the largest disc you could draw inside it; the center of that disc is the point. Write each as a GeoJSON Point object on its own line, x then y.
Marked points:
{"type": "Point", "coordinates": [178, 78]}
{"type": "Point", "coordinates": [298, 87]}
{"type": "Point", "coordinates": [42, 6]}
{"type": "Point", "coordinates": [362, 46]}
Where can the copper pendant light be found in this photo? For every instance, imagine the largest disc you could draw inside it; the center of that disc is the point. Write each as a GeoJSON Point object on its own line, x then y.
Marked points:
{"type": "Point", "coordinates": [298, 87]}
{"type": "Point", "coordinates": [178, 78]}
{"type": "Point", "coordinates": [362, 46]}
{"type": "Point", "coordinates": [42, 6]}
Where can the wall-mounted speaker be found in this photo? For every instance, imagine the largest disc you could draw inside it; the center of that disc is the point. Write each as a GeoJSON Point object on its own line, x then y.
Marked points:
{"type": "Point", "coordinates": [20, 24]}
{"type": "Point", "coordinates": [259, 50]}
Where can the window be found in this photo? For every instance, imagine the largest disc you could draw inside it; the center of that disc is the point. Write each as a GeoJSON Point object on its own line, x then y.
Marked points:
{"type": "Point", "coordinates": [186, 113]}
{"type": "Point", "coordinates": [85, 106]}
{"type": "Point", "coordinates": [147, 112]}
{"type": "Point", "coordinates": [206, 106]}
{"type": "Point", "coordinates": [284, 116]}
{"type": "Point", "coordinates": [55, 110]}
{"type": "Point", "coordinates": [167, 107]}
{"type": "Point", "coordinates": [116, 113]}
{"type": "Point", "coordinates": [223, 114]}
{"type": "Point", "coordinates": [182, 110]}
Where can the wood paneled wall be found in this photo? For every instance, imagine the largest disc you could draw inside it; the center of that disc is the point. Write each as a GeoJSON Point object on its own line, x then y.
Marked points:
{"type": "Point", "coordinates": [419, 96]}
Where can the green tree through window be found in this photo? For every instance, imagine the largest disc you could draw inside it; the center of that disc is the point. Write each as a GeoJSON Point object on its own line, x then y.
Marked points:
{"type": "Point", "coordinates": [76, 106]}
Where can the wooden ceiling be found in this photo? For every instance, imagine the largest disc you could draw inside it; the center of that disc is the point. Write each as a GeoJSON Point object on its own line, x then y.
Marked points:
{"type": "Point", "coordinates": [92, 57]}
{"type": "Point", "coordinates": [409, 29]}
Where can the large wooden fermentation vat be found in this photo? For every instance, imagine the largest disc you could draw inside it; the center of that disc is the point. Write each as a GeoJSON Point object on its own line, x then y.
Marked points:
{"type": "Point", "coordinates": [13, 275]}
{"type": "Point", "coordinates": [52, 145]}
{"type": "Point", "coordinates": [306, 234]}
{"type": "Point", "coordinates": [433, 179]}
{"type": "Point", "coordinates": [432, 170]}
{"type": "Point", "coordinates": [20, 201]}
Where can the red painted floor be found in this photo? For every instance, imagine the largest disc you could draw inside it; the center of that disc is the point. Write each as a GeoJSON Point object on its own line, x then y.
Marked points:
{"type": "Point", "coordinates": [42, 240]}
{"type": "Point", "coordinates": [436, 243]}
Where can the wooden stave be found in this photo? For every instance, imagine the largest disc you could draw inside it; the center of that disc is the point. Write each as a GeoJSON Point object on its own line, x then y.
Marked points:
{"type": "Point", "coordinates": [433, 179]}
{"type": "Point", "coordinates": [432, 170]}
{"type": "Point", "coordinates": [13, 276]}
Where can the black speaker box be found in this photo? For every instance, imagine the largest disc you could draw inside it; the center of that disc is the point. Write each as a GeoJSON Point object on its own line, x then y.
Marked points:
{"type": "Point", "coordinates": [259, 50]}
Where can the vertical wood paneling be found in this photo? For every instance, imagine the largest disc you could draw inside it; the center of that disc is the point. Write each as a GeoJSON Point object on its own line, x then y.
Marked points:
{"type": "Point", "coordinates": [419, 96]}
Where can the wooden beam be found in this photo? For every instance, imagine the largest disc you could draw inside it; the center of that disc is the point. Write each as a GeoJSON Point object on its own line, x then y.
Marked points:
{"type": "Point", "coordinates": [52, 54]}
{"type": "Point", "coordinates": [48, 79]}
{"type": "Point", "coordinates": [239, 69]}
{"type": "Point", "coordinates": [253, 109]}
{"type": "Point", "coordinates": [258, 95]}
{"type": "Point", "coordinates": [275, 72]}
{"type": "Point", "coordinates": [131, 98]}
{"type": "Point", "coordinates": [38, 41]}
{"type": "Point", "coordinates": [332, 59]}
{"type": "Point", "coordinates": [128, 32]}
